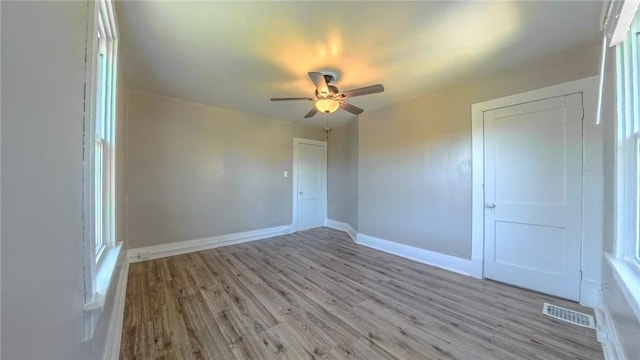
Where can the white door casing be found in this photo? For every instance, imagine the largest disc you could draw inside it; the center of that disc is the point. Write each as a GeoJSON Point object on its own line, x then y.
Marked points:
{"type": "Point", "coordinates": [592, 180]}
{"type": "Point", "coordinates": [309, 183]}
{"type": "Point", "coordinates": [533, 193]}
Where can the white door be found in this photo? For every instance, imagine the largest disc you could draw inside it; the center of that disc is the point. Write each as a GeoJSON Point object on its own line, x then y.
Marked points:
{"type": "Point", "coordinates": [310, 174]}
{"type": "Point", "coordinates": [533, 192]}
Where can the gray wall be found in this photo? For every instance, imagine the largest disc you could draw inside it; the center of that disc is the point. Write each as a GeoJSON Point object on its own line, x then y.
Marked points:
{"type": "Point", "coordinates": [342, 182]}
{"type": "Point", "coordinates": [415, 157]}
{"type": "Point", "coordinates": [43, 70]}
{"type": "Point", "coordinates": [338, 174]}
{"type": "Point", "coordinates": [354, 170]}
{"type": "Point", "coordinates": [196, 171]}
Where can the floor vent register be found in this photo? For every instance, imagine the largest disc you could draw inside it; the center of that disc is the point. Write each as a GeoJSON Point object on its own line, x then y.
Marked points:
{"type": "Point", "coordinates": [571, 316]}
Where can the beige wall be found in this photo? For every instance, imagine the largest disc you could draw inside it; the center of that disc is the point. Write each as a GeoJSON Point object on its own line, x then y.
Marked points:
{"type": "Point", "coordinates": [415, 157]}
{"type": "Point", "coordinates": [342, 182]}
{"type": "Point", "coordinates": [338, 174]}
{"type": "Point", "coordinates": [354, 169]}
{"type": "Point", "coordinates": [43, 74]}
{"type": "Point", "coordinates": [196, 171]}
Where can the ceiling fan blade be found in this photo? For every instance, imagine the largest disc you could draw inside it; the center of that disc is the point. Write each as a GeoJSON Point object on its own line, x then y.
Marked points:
{"type": "Point", "coordinates": [287, 99]}
{"type": "Point", "coordinates": [320, 82]}
{"type": "Point", "coordinates": [311, 112]}
{"type": "Point", "coordinates": [350, 108]}
{"type": "Point", "coordinates": [371, 89]}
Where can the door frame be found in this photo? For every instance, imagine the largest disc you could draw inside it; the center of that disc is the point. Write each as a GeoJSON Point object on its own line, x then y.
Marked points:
{"type": "Point", "coordinates": [592, 179]}
{"type": "Point", "coordinates": [294, 174]}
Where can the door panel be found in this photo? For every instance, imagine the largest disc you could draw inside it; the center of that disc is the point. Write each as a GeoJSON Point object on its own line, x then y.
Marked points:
{"type": "Point", "coordinates": [311, 176]}
{"type": "Point", "coordinates": [538, 138]}
{"type": "Point", "coordinates": [533, 192]}
{"type": "Point", "coordinates": [530, 238]}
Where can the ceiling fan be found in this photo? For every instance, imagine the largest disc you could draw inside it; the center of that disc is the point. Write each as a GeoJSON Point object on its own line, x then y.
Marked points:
{"type": "Point", "coordinates": [329, 99]}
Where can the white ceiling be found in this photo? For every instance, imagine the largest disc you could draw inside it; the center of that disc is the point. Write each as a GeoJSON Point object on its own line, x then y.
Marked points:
{"type": "Point", "coordinates": [237, 55]}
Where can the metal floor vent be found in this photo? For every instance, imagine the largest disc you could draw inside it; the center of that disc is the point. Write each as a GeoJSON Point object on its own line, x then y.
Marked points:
{"type": "Point", "coordinates": [574, 317]}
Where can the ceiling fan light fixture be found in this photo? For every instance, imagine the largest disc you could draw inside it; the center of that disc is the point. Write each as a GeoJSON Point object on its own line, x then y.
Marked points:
{"type": "Point", "coordinates": [327, 105]}
{"type": "Point", "coordinates": [328, 98]}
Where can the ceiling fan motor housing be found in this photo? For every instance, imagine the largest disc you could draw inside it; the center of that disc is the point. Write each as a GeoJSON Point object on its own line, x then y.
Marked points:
{"type": "Point", "coordinates": [333, 90]}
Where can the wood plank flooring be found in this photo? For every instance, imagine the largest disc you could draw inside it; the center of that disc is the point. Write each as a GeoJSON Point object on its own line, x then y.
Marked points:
{"type": "Point", "coordinates": [317, 295]}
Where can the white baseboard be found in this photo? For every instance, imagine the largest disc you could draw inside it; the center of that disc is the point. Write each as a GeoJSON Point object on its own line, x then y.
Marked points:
{"type": "Point", "coordinates": [589, 290]}
{"type": "Point", "coordinates": [342, 226]}
{"type": "Point", "coordinates": [183, 247]}
{"type": "Point", "coordinates": [114, 333]}
{"type": "Point", "coordinates": [606, 332]}
{"type": "Point", "coordinates": [443, 261]}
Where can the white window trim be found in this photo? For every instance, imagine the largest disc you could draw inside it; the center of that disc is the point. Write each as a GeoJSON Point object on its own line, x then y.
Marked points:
{"type": "Point", "coordinates": [99, 268]}
{"type": "Point", "coordinates": [617, 16]}
{"type": "Point", "coordinates": [623, 261]}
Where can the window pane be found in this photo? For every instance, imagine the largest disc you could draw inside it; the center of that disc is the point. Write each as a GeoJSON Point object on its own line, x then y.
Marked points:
{"type": "Point", "coordinates": [634, 130]}
{"type": "Point", "coordinates": [99, 196]}
{"type": "Point", "coordinates": [100, 156]}
{"type": "Point", "coordinates": [637, 175]}
{"type": "Point", "coordinates": [100, 98]}
{"type": "Point", "coordinates": [634, 125]}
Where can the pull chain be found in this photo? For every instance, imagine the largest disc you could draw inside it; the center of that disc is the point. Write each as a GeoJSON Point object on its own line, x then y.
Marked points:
{"type": "Point", "coordinates": [326, 128]}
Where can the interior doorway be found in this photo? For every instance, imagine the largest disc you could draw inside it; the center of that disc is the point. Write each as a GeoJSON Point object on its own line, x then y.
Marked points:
{"type": "Point", "coordinates": [309, 183]}
{"type": "Point", "coordinates": [537, 203]}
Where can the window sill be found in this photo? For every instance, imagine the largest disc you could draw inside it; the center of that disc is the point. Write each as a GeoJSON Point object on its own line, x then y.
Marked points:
{"type": "Point", "coordinates": [627, 275]}
{"type": "Point", "coordinates": [104, 278]}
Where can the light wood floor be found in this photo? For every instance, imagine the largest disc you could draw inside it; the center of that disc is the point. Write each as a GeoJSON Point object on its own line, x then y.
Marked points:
{"type": "Point", "coordinates": [317, 295]}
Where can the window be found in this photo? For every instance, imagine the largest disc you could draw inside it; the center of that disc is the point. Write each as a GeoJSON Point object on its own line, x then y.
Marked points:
{"type": "Point", "coordinates": [633, 139]}
{"type": "Point", "coordinates": [628, 146]}
{"type": "Point", "coordinates": [637, 186]}
{"type": "Point", "coordinates": [625, 261]}
{"type": "Point", "coordinates": [101, 161]}
{"type": "Point", "coordinates": [103, 124]}
{"type": "Point", "coordinates": [101, 250]}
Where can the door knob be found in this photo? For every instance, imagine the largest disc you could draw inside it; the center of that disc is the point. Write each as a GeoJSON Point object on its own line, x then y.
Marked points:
{"type": "Point", "coordinates": [300, 193]}
{"type": "Point", "coordinates": [490, 206]}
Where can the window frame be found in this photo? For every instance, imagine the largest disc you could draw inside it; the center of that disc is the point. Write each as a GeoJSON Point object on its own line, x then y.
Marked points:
{"type": "Point", "coordinates": [102, 176]}
{"type": "Point", "coordinates": [627, 145]}
{"type": "Point", "coordinates": [637, 233]}
{"type": "Point", "coordinates": [625, 260]}
{"type": "Point", "coordinates": [99, 129]}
